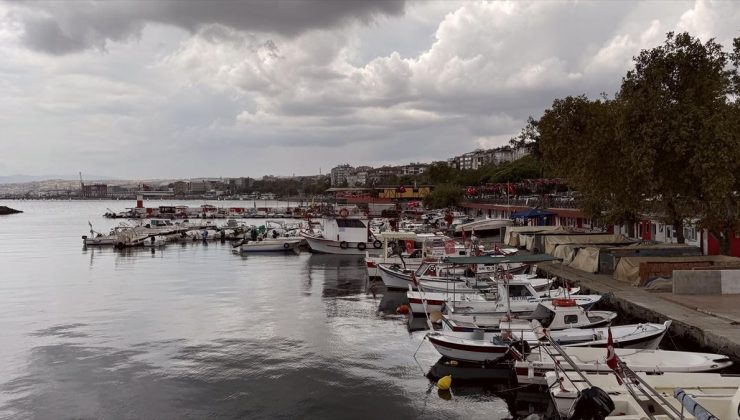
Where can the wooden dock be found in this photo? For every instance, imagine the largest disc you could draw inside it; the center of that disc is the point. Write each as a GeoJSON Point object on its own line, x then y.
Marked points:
{"type": "Point", "coordinates": [711, 321]}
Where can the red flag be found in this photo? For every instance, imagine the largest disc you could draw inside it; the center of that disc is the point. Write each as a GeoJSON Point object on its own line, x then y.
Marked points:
{"type": "Point", "coordinates": [611, 356]}
{"type": "Point", "coordinates": [463, 234]}
{"type": "Point", "coordinates": [409, 246]}
{"type": "Point", "coordinates": [449, 247]}
{"type": "Point", "coordinates": [509, 188]}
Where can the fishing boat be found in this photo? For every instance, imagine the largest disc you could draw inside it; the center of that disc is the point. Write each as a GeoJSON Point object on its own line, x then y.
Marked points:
{"type": "Point", "coordinates": [467, 349]}
{"type": "Point", "coordinates": [640, 336]}
{"type": "Point", "coordinates": [551, 315]}
{"type": "Point", "coordinates": [436, 276]}
{"type": "Point", "coordinates": [534, 366]}
{"type": "Point", "coordinates": [484, 227]}
{"type": "Point", "coordinates": [346, 235]}
{"type": "Point", "coordinates": [643, 395]}
{"type": "Point", "coordinates": [271, 245]}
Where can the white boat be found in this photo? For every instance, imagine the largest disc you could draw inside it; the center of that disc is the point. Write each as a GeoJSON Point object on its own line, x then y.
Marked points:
{"type": "Point", "coordinates": [343, 235]}
{"type": "Point", "coordinates": [426, 245]}
{"type": "Point", "coordinates": [636, 336]}
{"type": "Point", "coordinates": [154, 241]}
{"type": "Point", "coordinates": [532, 369]}
{"type": "Point", "coordinates": [518, 296]}
{"type": "Point", "coordinates": [271, 245]}
{"type": "Point", "coordinates": [484, 226]}
{"type": "Point", "coordinates": [468, 350]}
{"type": "Point", "coordinates": [718, 396]}
{"type": "Point", "coordinates": [431, 276]}
{"type": "Point", "coordinates": [550, 315]}
{"type": "Point", "coordinates": [437, 301]}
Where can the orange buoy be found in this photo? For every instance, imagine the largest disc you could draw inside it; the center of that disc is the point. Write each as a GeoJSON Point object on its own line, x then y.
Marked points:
{"type": "Point", "coordinates": [402, 309]}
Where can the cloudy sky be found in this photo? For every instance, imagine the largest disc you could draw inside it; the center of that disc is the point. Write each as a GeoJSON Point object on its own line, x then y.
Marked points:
{"type": "Point", "coordinates": [148, 89]}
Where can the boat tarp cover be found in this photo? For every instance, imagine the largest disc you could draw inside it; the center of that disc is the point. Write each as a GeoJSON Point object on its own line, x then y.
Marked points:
{"type": "Point", "coordinates": [511, 237]}
{"type": "Point", "coordinates": [552, 241]}
{"type": "Point", "coordinates": [586, 259]}
{"type": "Point", "coordinates": [628, 268]}
{"type": "Point", "coordinates": [565, 252]}
{"type": "Point", "coordinates": [500, 260]}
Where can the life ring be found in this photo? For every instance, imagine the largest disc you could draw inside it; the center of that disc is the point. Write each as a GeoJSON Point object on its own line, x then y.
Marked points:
{"type": "Point", "coordinates": [343, 212]}
{"type": "Point", "coordinates": [286, 245]}
{"type": "Point", "coordinates": [377, 244]}
{"type": "Point", "coordinates": [361, 246]}
{"type": "Point", "coordinates": [344, 245]}
{"type": "Point", "coordinates": [563, 302]}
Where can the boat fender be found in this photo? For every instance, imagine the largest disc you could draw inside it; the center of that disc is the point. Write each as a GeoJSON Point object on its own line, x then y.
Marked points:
{"type": "Point", "coordinates": [286, 245]}
{"type": "Point", "coordinates": [344, 245]}
{"type": "Point", "coordinates": [444, 383]}
{"type": "Point", "coordinates": [402, 309]}
{"type": "Point", "coordinates": [361, 246]}
{"type": "Point", "coordinates": [343, 212]}
{"type": "Point", "coordinates": [377, 244]}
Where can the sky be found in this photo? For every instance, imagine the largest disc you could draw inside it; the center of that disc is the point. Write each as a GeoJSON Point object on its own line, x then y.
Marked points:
{"type": "Point", "coordinates": [179, 89]}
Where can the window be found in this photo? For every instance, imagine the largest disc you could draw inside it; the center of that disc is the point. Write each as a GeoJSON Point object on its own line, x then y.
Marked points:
{"type": "Point", "coordinates": [570, 319]}
{"type": "Point", "coordinates": [350, 223]}
{"type": "Point", "coordinates": [518, 291]}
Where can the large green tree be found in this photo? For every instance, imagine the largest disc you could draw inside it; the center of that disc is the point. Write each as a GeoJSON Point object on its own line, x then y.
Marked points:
{"type": "Point", "coordinates": [668, 144]}
{"type": "Point", "coordinates": [679, 120]}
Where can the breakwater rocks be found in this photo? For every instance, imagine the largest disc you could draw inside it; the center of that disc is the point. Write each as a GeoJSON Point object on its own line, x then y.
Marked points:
{"type": "Point", "coordinates": [7, 210]}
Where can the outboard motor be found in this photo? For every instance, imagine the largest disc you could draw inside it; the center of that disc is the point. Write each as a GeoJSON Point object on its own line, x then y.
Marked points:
{"type": "Point", "coordinates": [593, 404]}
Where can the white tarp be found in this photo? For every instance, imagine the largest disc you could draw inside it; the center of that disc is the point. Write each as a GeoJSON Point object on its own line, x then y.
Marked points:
{"type": "Point", "coordinates": [586, 259]}
{"type": "Point", "coordinates": [554, 240]}
{"type": "Point", "coordinates": [565, 253]}
{"type": "Point", "coordinates": [511, 237]}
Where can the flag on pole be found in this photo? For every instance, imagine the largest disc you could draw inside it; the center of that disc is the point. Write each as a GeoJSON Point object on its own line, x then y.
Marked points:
{"type": "Point", "coordinates": [611, 356]}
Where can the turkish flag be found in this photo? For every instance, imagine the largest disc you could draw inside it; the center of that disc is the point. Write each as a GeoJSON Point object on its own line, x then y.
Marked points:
{"type": "Point", "coordinates": [611, 356]}
{"type": "Point", "coordinates": [449, 247]}
{"type": "Point", "coordinates": [409, 246]}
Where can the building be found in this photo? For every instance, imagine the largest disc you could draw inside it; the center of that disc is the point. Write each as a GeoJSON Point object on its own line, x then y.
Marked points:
{"type": "Point", "coordinates": [339, 174]}
{"type": "Point", "coordinates": [94, 191]}
{"type": "Point", "coordinates": [199, 187]}
{"type": "Point", "coordinates": [383, 175]}
{"type": "Point", "coordinates": [180, 187]}
{"type": "Point", "coordinates": [413, 169]}
{"type": "Point", "coordinates": [479, 158]}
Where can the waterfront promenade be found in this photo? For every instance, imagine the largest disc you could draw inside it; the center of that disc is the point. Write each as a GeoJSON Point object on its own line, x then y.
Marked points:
{"type": "Point", "coordinates": [712, 321]}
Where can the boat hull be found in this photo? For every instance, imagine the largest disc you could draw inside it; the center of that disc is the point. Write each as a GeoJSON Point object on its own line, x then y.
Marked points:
{"type": "Point", "coordinates": [271, 246]}
{"type": "Point", "coordinates": [462, 350]}
{"type": "Point", "coordinates": [327, 246]}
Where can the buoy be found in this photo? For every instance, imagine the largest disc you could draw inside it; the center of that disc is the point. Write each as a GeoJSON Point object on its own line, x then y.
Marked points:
{"type": "Point", "coordinates": [444, 383]}
{"type": "Point", "coordinates": [402, 309]}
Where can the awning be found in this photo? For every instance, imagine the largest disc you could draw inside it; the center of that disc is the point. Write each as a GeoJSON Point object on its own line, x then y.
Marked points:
{"type": "Point", "coordinates": [500, 260]}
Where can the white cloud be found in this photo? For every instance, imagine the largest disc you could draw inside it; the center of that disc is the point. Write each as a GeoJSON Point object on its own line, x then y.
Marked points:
{"type": "Point", "coordinates": [200, 87]}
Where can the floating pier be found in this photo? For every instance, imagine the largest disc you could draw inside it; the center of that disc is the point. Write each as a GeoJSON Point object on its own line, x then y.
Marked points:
{"type": "Point", "coordinates": [712, 321]}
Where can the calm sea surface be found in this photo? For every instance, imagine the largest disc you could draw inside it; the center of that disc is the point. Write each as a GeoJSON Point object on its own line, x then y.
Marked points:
{"type": "Point", "coordinates": [195, 331]}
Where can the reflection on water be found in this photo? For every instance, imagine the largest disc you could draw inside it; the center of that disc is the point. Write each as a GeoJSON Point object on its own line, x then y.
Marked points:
{"type": "Point", "coordinates": [196, 331]}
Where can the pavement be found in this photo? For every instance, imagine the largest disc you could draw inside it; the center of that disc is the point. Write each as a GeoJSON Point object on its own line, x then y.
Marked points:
{"type": "Point", "coordinates": [712, 321]}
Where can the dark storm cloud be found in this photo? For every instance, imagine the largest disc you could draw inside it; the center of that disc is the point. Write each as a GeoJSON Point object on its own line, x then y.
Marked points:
{"type": "Point", "coordinates": [65, 27]}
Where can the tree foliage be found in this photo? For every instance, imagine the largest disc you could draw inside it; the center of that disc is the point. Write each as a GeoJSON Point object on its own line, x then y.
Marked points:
{"type": "Point", "coordinates": [444, 195]}
{"type": "Point", "coordinates": [668, 144]}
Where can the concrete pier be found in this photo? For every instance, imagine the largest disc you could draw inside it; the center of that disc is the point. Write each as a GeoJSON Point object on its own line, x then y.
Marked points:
{"type": "Point", "coordinates": [711, 321]}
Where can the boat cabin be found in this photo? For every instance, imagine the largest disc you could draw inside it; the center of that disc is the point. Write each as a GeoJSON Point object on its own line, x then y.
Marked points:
{"type": "Point", "coordinates": [347, 229]}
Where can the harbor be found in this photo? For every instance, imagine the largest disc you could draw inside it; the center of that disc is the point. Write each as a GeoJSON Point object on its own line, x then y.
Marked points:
{"type": "Point", "coordinates": [302, 299]}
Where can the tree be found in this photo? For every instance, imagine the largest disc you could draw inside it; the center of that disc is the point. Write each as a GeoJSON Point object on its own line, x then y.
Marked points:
{"type": "Point", "coordinates": [529, 138]}
{"type": "Point", "coordinates": [444, 195]}
{"type": "Point", "coordinates": [681, 126]}
{"type": "Point", "coordinates": [668, 144]}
